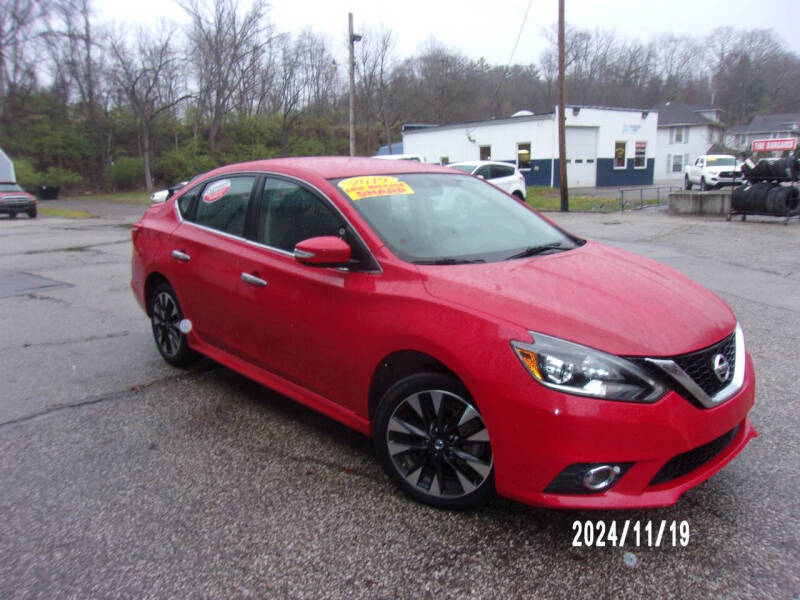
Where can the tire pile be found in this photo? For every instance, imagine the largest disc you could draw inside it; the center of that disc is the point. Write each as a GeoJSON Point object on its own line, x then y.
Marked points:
{"type": "Point", "coordinates": [763, 192]}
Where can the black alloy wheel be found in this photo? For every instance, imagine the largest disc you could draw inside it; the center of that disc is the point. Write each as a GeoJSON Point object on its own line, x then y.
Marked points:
{"type": "Point", "coordinates": [166, 316]}
{"type": "Point", "coordinates": [433, 442]}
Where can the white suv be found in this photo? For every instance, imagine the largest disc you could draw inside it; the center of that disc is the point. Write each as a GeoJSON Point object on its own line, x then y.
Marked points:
{"type": "Point", "coordinates": [504, 175]}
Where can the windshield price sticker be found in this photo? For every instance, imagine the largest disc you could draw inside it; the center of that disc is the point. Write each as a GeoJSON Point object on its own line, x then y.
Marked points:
{"type": "Point", "coordinates": [216, 190]}
{"type": "Point", "coordinates": [637, 534]}
{"type": "Point", "coordinates": [373, 186]}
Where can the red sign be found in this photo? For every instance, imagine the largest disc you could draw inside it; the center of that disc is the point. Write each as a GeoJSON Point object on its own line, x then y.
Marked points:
{"type": "Point", "coordinates": [776, 144]}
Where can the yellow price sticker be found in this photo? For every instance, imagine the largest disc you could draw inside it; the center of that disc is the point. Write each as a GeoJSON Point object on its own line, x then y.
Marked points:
{"type": "Point", "coordinates": [372, 186]}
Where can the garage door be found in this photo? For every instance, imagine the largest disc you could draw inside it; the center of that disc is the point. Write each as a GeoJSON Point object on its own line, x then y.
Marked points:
{"type": "Point", "coordinates": [581, 156]}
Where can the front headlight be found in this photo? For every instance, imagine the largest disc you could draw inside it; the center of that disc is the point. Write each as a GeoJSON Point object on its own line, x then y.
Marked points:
{"type": "Point", "coordinates": [584, 371]}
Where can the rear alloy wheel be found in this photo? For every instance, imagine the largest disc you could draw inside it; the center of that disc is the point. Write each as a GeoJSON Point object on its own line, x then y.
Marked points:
{"type": "Point", "coordinates": [165, 316]}
{"type": "Point", "coordinates": [686, 183]}
{"type": "Point", "coordinates": [433, 442]}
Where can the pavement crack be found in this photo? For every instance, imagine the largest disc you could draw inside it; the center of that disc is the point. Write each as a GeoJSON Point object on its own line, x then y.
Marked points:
{"type": "Point", "coordinates": [132, 390]}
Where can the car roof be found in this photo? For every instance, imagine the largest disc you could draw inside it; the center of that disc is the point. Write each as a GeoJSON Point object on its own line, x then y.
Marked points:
{"type": "Point", "coordinates": [332, 167]}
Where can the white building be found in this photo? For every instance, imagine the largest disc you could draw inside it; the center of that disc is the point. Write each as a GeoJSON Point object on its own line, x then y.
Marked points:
{"type": "Point", "coordinates": [605, 146]}
{"type": "Point", "coordinates": [684, 133]}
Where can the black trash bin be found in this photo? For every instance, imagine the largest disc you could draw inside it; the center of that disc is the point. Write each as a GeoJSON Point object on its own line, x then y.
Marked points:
{"type": "Point", "coordinates": [48, 192]}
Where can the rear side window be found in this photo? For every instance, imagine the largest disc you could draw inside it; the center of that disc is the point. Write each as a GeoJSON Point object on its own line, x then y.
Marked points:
{"type": "Point", "coordinates": [223, 204]}
{"type": "Point", "coordinates": [290, 213]}
{"type": "Point", "coordinates": [185, 201]}
{"type": "Point", "coordinates": [501, 171]}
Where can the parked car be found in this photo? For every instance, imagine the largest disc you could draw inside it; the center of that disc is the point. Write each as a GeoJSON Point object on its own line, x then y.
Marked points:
{"type": "Point", "coordinates": [712, 171]}
{"type": "Point", "coordinates": [504, 175]}
{"type": "Point", "coordinates": [15, 200]}
{"type": "Point", "coordinates": [162, 195]}
{"type": "Point", "coordinates": [412, 157]}
{"type": "Point", "coordinates": [481, 346]}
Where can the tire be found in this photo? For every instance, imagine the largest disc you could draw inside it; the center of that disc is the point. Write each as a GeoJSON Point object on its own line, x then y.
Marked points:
{"type": "Point", "coordinates": [757, 197]}
{"type": "Point", "coordinates": [165, 315]}
{"type": "Point", "coordinates": [32, 213]}
{"type": "Point", "coordinates": [687, 185]}
{"type": "Point", "coordinates": [433, 442]}
{"type": "Point", "coordinates": [12, 215]}
{"type": "Point", "coordinates": [739, 198]}
{"type": "Point", "coordinates": [703, 186]}
{"type": "Point", "coordinates": [518, 195]}
{"type": "Point", "coordinates": [776, 201]}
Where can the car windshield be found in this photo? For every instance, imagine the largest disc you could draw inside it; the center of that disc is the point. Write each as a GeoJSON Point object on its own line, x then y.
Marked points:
{"type": "Point", "coordinates": [432, 218]}
{"type": "Point", "coordinates": [720, 162]}
{"type": "Point", "coordinates": [465, 168]}
{"type": "Point", "coordinates": [10, 187]}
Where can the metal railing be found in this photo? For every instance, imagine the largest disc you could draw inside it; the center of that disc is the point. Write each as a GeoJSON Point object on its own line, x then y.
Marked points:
{"type": "Point", "coordinates": [650, 201]}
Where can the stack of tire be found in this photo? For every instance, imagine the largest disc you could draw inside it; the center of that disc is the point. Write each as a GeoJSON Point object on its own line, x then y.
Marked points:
{"type": "Point", "coordinates": [764, 194]}
{"type": "Point", "coordinates": [781, 169]}
{"type": "Point", "coordinates": [765, 198]}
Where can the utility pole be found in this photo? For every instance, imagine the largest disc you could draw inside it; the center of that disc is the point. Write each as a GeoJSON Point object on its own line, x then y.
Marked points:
{"type": "Point", "coordinates": [352, 38]}
{"type": "Point", "coordinates": [562, 117]}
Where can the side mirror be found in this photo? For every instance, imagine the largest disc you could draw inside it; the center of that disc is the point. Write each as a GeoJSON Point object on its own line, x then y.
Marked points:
{"type": "Point", "coordinates": [325, 251]}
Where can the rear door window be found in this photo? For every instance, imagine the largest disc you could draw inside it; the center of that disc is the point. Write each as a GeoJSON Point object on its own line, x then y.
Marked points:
{"type": "Point", "coordinates": [223, 204]}
{"type": "Point", "coordinates": [501, 171]}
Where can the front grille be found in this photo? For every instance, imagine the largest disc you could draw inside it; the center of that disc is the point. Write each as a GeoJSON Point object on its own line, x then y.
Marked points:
{"type": "Point", "coordinates": [700, 367]}
{"type": "Point", "coordinates": [680, 465]}
{"type": "Point", "coordinates": [730, 174]}
{"type": "Point", "coordinates": [15, 200]}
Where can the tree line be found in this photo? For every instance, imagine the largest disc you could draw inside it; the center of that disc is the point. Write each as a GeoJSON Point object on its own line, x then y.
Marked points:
{"type": "Point", "coordinates": [86, 103]}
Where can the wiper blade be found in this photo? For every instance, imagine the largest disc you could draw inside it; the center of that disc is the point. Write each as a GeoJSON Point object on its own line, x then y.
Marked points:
{"type": "Point", "coordinates": [540, 249]}
{"type": "Point", "coordinates": [449, 260]}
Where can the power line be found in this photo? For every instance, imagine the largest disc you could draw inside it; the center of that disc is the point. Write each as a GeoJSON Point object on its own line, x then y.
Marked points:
{"type": "Point", "coordinates": [510, 59]}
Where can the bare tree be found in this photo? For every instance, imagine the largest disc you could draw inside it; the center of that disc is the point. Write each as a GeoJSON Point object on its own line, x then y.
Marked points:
{"type": "Point", "coordinates": [20, 25]}
{"type": "Point", "coordinates": [226, 44]}
{"type": "Point", "coordinates": [374, 67]}
{"type": "Point", "coordinates": [80, 58]}
{"type": "Point", "coordinates": [149, 79]}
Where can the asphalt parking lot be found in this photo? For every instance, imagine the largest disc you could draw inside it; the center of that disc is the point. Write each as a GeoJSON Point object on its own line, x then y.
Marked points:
{"type": "Point", "coordinates": [124, 478]}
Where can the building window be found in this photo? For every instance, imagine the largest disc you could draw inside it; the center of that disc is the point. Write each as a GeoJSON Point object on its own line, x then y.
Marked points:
{"type": "Point", "coordinates": [679, 135]}
{"type": "Point", "coordinates": [677, 163]}
{"type": "Point", "coordinates": [619, 155]}
{"type": "Point", "coordinates": [486, 152]}
{"type": "Point", "coordinates": [640, 158]}
{"type": "Point", "coordinates": [524, 155]}
{"type": "Point", "coordinates": [444, 160]}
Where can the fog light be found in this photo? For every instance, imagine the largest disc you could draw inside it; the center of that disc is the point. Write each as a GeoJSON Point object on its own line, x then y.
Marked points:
{"type": "Point", "coordinates": [600, 478]}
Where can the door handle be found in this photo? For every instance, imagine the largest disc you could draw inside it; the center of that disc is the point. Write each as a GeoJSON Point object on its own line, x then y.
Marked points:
{"type": "Point", "coordinates": [253, 280]}
{"type": "Point", "coordinates": [181, 256]}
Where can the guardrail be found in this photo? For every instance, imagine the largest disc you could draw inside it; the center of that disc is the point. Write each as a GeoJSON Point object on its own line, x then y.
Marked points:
{"type": "Point", "coordinates": [641, 190]}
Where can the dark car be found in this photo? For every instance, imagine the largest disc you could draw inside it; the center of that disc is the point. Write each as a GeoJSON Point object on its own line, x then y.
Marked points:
{"type": "Point", "coordinates": [15, 200]}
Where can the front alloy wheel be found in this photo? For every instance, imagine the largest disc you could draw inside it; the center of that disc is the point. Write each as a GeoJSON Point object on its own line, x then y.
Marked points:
{"type": "Point", "coordinates": [434, 443]}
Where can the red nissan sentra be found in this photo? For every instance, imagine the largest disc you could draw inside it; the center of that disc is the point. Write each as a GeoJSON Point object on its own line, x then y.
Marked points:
{"type": "Point", "coordinates": [481, 346]}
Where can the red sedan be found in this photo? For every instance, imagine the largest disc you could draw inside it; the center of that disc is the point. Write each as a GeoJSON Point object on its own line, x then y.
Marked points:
{"type": "Point", "coordinates": [481, 346]}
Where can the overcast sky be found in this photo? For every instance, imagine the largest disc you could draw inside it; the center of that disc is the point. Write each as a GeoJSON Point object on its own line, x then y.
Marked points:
{"type": "Point", "coordinates": [489, 28]}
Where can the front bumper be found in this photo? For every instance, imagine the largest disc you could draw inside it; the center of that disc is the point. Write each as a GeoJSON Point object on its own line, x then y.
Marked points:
{"type": "Point", "coordinates": [539, 433]}
{"type": "Point", "coordinates": [17, 206]}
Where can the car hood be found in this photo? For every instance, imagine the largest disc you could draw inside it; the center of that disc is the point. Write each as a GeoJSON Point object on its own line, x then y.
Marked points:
{"type": "Point", "coordinates": [594, 295]}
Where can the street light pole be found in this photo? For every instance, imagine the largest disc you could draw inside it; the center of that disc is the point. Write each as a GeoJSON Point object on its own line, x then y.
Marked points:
{"type": "Point", "coordinates": [562, 117]}
{"type": "Point", "coordinates": [352, 39]}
